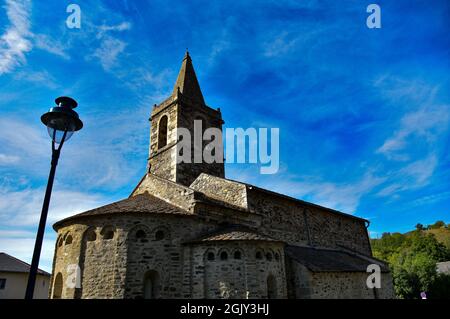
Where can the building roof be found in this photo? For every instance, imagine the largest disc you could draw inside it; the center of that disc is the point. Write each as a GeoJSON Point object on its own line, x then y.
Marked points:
{"type": "Point", "coordinates": [232, 233]}
{"type": "Point", "coordinates": [329, 260]}
{"type": "Point", "coordinates": [267, 191]}
{"type": "Point", "coordinates": [141, 203]}
{"type": "Point", "coordinates": [9, 263]}
{"type": "Point", "coordinates": [187, 81]}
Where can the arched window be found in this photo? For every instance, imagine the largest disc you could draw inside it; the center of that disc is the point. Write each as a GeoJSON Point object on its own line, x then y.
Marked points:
{"type": "Point", "coordinates": [162, 132]}
{"type": "Point", "coordinates": [269, 256]}
{"type": "Point", "coordinates": [151, 285]}
{"type": "Point", "coordinates": [277, 256]}
{"type": "Point", "coordinates": [58, 286]}
{"type": "Point", "coordinates": [223, 255]}
{"type": "Point", "coordinates": [210, 256]}
{"type": "Point", "coordinates": [237, 254]}
{"type": "Point", "coordinates": [68, 240]}
{"type": "Point", "coordinates": [271, 287]}
{"type": "Point", "coordinates": [159, 235]}
{"type": "Point", "coordinates": [259, 255]}
{"type": "Point", "coordinates": [140, 235]}
{"type": "Point", "coordinates": [107, 233]}
{"type": "Point", "coordinates": [90, 234]}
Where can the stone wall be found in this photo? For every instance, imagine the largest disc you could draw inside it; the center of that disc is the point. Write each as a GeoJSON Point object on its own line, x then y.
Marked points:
{"type": "Point", "coordinates": [66, 253]}
{"type": "Point", "coordinates": [210, 118]}
{"type": "Point", "coordinates": [165, 255]}
{"type": "Point", "coordinates": [115, 267]}
{"type": "Point", "coordinates": [245, 276]}
{"type": "Point", "coordinates": [304, 284]}
{"type": "Point", "coordinates": [222, 189]}
{"type": "Point", "coordinates": [348, 285]}
{"type": "Point", "coordinates": [301, 224]}
{"type": "Point", "coordinates": [181, 113]}
{"type": "Point", "coordinates": [169, 191]}
{"type": "Point", "coordinates": [288, 219]}
{"type": "Point", "coordinates": [101, 260]}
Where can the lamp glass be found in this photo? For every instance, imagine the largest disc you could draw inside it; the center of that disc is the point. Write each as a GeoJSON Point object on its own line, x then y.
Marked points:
{"type": "Point", "coordinates": [56, 127]}
{"type": "Point", "coordinates": [57, 135]}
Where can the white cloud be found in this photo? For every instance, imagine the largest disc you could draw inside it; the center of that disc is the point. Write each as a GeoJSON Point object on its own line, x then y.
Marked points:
{"type": "Point", "coordinates": [23, 207]}
{"type": "Point", "coordinates": [414, 175]}
{"type": "Point", "coordinates": [429, 199]}
{"type": "Point", "coordinates": [343, 197]}
{"type": "Point", "coordinates": [15, 42]}
{"type": "Point", "coordinates": [424, 124]}
{"type": "Point", "coordinates": [420, 171]}
{"type": "Point", "coordinates": [119, 27]}
{"type": "Point", "coordinates": [110, 47]}
{"type": "Point", "coordinates": [22, 248]}
{"type": "Point", "coordinates": [19, 138]}
{"type": "Point", "coordinates": [8, 159]}
{"type": "Point", "coordinates": [425, 119]}
{"type": "Point", "coordinates": [42, 78]}
{"type": "Point", "coordinates": [44, 42]}
{"type": "Point", "coordinates": [108, 52]}
{"type": "Point", "coordinates": [23, 144]}
{"type": "Point", "coordinates": [280, 45]}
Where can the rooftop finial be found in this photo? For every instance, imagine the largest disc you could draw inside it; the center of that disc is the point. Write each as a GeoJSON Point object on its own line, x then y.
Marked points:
{"type": "Point", "coordinates": [186, 55]}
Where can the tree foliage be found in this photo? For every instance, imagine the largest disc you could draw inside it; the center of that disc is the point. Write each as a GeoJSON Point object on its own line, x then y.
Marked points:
{"type": "Point", "coordinates": [437, 225]}
{"type": "Point", "coordinates": [412, 258]}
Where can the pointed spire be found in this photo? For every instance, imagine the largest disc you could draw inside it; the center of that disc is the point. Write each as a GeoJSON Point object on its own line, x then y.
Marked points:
{"type": "Point", "coordinates": [187, 82]}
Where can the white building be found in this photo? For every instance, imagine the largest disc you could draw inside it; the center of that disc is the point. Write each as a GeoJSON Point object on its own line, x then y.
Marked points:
{"type": "Point", "coordinates": [14, 277]}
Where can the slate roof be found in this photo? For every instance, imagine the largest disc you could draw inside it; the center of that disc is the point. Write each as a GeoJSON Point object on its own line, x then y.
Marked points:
{"type": "Point", "coordinates": [233, 233]}
{"type": "Point", "coordinates": [328, 260]}
{"type": "Point", "coordinates": [11, 264]}
{"type": "Point", "coordinates": [141, 203]}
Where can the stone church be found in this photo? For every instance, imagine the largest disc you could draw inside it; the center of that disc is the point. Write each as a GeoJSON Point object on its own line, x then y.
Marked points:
{"type": "Point", "coordinates": [186, 231]}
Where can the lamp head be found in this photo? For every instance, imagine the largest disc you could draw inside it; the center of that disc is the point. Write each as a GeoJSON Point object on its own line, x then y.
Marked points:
{"type": "Point", "coordinates": [62, 118]}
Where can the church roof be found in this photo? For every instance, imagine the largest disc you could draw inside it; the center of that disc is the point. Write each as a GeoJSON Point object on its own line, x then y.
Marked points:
{"type": "Point", "coordinates": [187, 81]}
{"type": "Point", "coordinates": [233, 233]}
{"type": "Point", "coordinates": [248, 186]}
{"type": "Point", "coordinates": [329, 260]}
{"type": "Point", "coordinates": [141, 203]}
{"type": "Point", "coordinates": [12, 264]}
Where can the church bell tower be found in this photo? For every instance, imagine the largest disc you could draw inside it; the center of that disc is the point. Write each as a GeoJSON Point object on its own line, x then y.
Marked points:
{"type": "Point", "coordinates": [184, 106]}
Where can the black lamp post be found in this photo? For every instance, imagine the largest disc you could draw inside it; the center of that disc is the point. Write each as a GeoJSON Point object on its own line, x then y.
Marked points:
{"type": "Point", "coordinates": [61, 122]}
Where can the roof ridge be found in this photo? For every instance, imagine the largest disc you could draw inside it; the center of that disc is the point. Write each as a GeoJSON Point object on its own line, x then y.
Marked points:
{"type": "Point", "coordinates": [23, 262]}
{"type": "Point", "coordinates": [141, 207]}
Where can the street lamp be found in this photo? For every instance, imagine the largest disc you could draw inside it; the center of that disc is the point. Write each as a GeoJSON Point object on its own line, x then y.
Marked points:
{"type": "Point", "coordinates": [61, 122]}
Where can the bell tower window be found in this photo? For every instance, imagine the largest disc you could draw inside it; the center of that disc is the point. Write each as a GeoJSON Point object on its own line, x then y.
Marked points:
{"type": "Point", "coordinates": [162, 132]}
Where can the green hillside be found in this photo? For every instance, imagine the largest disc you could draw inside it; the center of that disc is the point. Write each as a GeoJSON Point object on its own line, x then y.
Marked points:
{"type": "Point", "coordinates": [412, 258]}
{"type": "Point", "coordinates": [442, 235]}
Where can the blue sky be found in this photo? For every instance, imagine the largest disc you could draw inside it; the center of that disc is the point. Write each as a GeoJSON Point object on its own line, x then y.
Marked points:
{"type": "Point", "coordinates": [363, 113]}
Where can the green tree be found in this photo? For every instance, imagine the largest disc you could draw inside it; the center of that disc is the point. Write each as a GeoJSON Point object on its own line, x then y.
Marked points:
{"type": "Point", "coordinates": [439, 289]}
{"type": "Point", "coordinates": [437, 225]}
{"type": "Point", "coordinates": [412, 259]}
